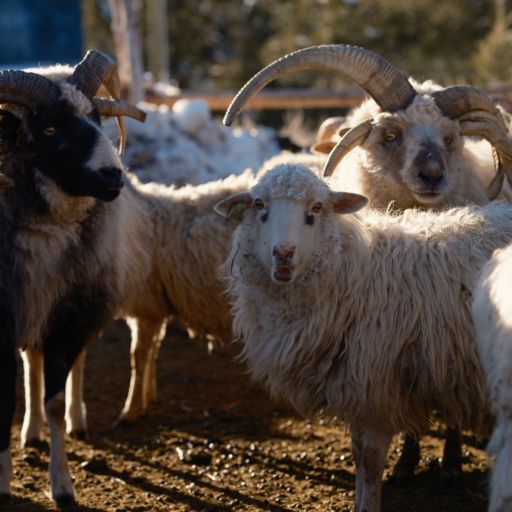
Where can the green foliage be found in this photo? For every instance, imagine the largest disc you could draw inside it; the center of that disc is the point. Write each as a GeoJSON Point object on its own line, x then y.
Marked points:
{"type": "Point", "coordinates": [493, 60]}
{"type": "Point", "coordinates": [220, 44]}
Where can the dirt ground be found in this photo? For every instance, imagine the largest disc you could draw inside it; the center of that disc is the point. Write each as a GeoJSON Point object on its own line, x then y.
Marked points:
{"type": "Point", "coordinates": [214, 441]}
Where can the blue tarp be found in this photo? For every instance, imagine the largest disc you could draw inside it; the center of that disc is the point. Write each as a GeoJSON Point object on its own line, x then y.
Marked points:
{"type": "Point", "coordinates": [34, 32]}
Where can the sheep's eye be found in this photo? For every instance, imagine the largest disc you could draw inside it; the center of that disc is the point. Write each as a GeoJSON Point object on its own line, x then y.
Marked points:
{"type": "Point", "coordinates": [258, 203]}
{"type": "Point", "coordinates": [50, 130]}
{"type": "Point", "coordinates": [448, 142]}
{"type": "Point", "coordinates": [316, 207]}
{"type": "Point", "coordinates": [390, 135]}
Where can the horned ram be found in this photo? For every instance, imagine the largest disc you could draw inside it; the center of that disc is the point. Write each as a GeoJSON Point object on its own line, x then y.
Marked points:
{"type": "Point", "coordinates": [60, 231]}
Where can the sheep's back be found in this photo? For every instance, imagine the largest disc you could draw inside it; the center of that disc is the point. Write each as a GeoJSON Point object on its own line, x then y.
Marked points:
{"type": "Point", "coordinates": [389, 333]}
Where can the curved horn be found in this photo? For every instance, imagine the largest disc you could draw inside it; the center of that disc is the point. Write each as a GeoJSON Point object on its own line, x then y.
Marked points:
{"type": "Point", "coordinates": [458, 100]}
{"type": "Point", "coordinates": [119, 108]}
{"type": "Point", "coordinates": [349, 141]}
{"type": "Point", "coordinates": [92, 71]}
{"type": "Point", "coordinates": [494, 188]}
{"type": "Point", "coordinates": [381, 80]}
{"type": "Point", "coordinates": [27, 89]}
{"type": "Point", "coordinates": [114, 108]}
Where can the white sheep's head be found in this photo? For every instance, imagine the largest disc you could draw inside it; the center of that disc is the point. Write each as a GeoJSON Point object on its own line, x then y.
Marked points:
{"type": "Point", "coordinates": [285, 214]}
{"type": "Point", "coordinates": [410, 137]}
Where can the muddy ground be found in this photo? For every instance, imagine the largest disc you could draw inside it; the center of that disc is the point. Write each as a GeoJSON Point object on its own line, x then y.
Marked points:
{"type": "Point", "coordinates": [215, 442]}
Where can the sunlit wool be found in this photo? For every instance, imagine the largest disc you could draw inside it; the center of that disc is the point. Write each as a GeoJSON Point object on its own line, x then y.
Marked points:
{"type": "Point", "coordinates": [492, 314]}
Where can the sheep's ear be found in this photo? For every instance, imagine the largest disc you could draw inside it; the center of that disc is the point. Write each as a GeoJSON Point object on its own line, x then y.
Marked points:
{"type": "Point", "coordinates": [323, 148]}
{"type": "Point", "coordinates": [234, 206]}
{"type": "Point", "coordinates": [346, 202]}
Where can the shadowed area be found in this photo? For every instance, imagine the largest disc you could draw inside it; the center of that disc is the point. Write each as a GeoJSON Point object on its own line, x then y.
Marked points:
{"type": "Point", "coordinates": [213, 441]}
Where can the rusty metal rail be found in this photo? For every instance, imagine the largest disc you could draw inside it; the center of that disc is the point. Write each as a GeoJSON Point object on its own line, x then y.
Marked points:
{"type": "Point", "coordinates": [291, 98]}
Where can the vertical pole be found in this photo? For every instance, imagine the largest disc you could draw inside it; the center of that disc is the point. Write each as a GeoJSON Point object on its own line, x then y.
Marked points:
{"type": "Point", "coordinates": [125, 31]}
{"type": "Point", "coordinates": [157, 36]}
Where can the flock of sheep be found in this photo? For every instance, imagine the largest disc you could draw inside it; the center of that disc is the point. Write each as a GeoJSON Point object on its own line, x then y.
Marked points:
{"type": "Point", "coordinates": [382, 316]}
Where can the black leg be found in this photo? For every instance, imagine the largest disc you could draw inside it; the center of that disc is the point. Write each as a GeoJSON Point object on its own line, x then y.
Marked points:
{"type": "Point", "coordinates": [452, 457]}
{"type": "Point", "coordinates": [76, 320]}
{"type": "Point", "coordinates": [9, 286]}
{"type": "Point", "coordinates": [403, 472]}
{"type": "Point", "coordinates": [7, 404]}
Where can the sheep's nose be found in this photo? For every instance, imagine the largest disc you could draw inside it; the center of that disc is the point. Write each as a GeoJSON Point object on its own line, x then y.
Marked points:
{"type": "Point", "coordinates": [283, 252]}
{"type": "Point", "coordinates": [432, 174]}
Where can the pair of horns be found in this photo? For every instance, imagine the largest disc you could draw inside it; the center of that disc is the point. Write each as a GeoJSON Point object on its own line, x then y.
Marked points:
{"type": "Point", "coordinates": [388, 87]}
{"type": "Point", "coordinates": [95, 69]}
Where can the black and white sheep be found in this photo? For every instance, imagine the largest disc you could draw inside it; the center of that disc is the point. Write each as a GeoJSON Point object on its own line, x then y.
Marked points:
{"type": "Point", "coordinates": [60, 231]}
{"type": "Point", "coordinates": [363, 317]}
{"type": "Point", "coordinates": [186, 242]}
{"type": "Point", "coordinates": [492, 314]}
{"type": "Point", "coordinates": [404, 147]}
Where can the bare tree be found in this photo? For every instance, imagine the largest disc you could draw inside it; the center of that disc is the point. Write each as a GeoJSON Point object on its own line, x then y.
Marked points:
{"type": "Point", "coordinates": [125, 30]}
{"type": "Point", "coordinates": [157, 39]}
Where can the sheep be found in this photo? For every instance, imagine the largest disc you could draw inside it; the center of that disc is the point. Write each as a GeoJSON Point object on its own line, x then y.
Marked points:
{"type": "Point", "coordinates": [61, 219]}
{"type": "Point", "coordinates": [403, 148]}
{"type": "Point", "coordinates": [188, 243]}
{"type": "Point", "coordinates": [363, 317]}
{"type": "Point", "coordinates": [491, 314]}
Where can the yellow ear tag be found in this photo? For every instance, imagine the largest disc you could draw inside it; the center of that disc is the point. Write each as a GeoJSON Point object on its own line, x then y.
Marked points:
{"type": "Point", "coordinates": [237, 212]}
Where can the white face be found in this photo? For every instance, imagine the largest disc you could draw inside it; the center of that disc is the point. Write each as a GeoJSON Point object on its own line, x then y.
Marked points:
{"type": "Point", "coordinates": [285, 218]}
{"type": "Point", "coordinates": [288, 233]}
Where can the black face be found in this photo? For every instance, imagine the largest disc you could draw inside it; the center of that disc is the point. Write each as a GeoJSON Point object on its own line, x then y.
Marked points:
{"type": "Point", "coordinates": [63, 145]}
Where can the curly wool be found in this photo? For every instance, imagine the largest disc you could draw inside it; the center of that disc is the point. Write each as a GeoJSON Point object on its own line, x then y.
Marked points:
{"type": "Point", "coordinates": [377, 329]}
{"type": "Point", "coordinates": [471, 166]}
{"type": "Point", "coordinates": [492, 314]}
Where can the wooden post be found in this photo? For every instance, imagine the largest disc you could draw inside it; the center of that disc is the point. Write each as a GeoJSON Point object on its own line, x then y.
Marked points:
{"type": "Point", "coordinates": [157, 39]}
{"type": "Point", "coordinates": [125, 31]}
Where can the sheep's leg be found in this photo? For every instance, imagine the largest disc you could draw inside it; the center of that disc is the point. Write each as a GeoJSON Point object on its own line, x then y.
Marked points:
{"type": "Point", "coordinates": [403, 472]}
{"type": "Point", "coordinates": [452, 456]}
{"type": "Point", "coordinates": [33, 420]}
{"type": "Point", "coordinates": [370, 449]}
{"type": "Point", "coordinates": [357, 446]}
{"type": "Point", "coordinates": [145, 334]}
{"type": "Point", "coordinates": [58, 360]}
{"type": "Point", "coordinates": [76, 411]}
{"type": "Point", "coordinates": [7, 404]}
{"type": "Point", "coordinates": [150, 382]}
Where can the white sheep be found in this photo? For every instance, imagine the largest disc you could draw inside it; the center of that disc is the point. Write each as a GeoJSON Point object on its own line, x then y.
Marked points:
{"type": "Point", "coordinates": [403, 147]}
{"type": "Point", "coordinates": [364, 317]}
{"type": "Point", "coordinates": [492, 314]}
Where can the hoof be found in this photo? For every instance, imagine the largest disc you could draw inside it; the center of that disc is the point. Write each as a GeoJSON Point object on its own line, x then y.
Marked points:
{"type": "Point", "coordinates": [38, 444]}
{"type": "Point", "coordinates": [80, 435]}
{"type": "Point", "coordinates": [64, 501]}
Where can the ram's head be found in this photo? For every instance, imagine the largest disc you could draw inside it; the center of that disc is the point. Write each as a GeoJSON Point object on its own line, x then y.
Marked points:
{"type": "Point", "coordinates": [58, 124]}
{"type": "Point", "coordinates": [412, 140]}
